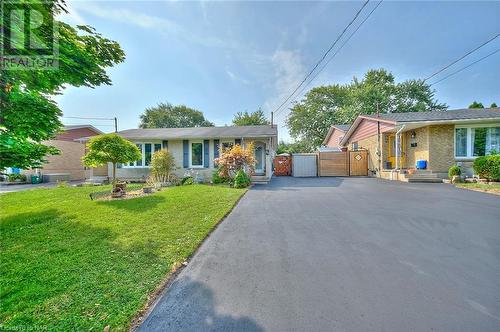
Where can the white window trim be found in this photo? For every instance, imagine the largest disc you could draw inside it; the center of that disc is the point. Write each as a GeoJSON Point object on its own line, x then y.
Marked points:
{"type": "Point", "coordinates": [143, 154]}
{"type": "Point", "coordinates": [469, 147]}
{"type": "Point", "coordinates": [191, 154]}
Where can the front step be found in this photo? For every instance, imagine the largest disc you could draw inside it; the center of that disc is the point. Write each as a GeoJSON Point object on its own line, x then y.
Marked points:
{"type": "Point", "coordinates": [259, 179]}
{"type": "Point", "coordinates": [424, 179]}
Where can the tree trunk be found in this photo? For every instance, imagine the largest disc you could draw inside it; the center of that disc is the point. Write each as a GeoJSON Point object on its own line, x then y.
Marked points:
{"type": "Point", "coordinates": [114, 175]}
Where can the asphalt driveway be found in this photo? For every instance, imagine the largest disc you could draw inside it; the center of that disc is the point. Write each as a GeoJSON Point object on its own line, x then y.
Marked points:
{"type": "Point", "coordinates": [344, 254]}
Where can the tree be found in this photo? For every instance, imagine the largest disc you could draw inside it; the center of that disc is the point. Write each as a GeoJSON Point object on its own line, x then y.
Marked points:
{"type": "Point", "coordinates": [165, 115]}
{"type": "Point", "coordinates": [29, 116]}
{"type": "Point", "coordinates": [162, 165]}
{"type": "Point", "coordinates": [476, 104]}
{"type": "Point", "coordinates": [250, 119]}
{"type": "Point", "coordinates": [302, 146]}
{"type": "Point", "coordinates": [310, 119]}
{"type": "Point", "coordinates": [235, 159]}
{"type": "Point", "coordinates": [493, 105]}
{"type": "Point", "coordinates": [110, 148]}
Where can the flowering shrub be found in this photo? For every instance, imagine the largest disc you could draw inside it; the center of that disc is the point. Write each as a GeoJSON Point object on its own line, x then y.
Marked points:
{"type": "Point", "coordinates": [234, 159]}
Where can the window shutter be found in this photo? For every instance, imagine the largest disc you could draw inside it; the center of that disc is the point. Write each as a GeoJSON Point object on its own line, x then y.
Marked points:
{"type": "Point", "coordinates": [185, 153]}
{"type": "Point", "coordinates": [237, 141]}
{"type": "Point", "coordinates": [165, 145]}
{"type": "Point", "coordinates": [206, 150]}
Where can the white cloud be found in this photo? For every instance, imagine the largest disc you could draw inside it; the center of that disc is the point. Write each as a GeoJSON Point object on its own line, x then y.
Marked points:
{"type": "Point", "coordinates": [236, 78]}
{"type": "Point", "coordinates": [289, 71]}
{"type": "Point", "coordinates": [73, 17]}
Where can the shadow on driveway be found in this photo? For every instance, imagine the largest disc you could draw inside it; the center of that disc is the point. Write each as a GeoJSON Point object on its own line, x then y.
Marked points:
{"type": "Point", "coordinates": [190, 306]}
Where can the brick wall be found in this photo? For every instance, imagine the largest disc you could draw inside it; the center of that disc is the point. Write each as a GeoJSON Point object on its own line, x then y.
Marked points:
{"type": "Point", "coordinates": [421, 151]}
{"type": "Point", "coordinates": [441, 148]}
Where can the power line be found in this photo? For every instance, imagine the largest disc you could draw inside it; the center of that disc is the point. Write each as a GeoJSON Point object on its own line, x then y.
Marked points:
{"type": "Point", "coordinates": [85, 118]}
{"type": "Point", "coordinates": [463, 68]}
{"type": "Point", "coordinates": [324, 55]}
{"type": "Point", "coordinates": [463, 56]}
{"type": "Point", "coordinates": [340, 48]}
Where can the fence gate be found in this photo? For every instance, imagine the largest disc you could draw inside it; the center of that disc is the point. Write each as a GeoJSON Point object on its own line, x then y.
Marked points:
{"type": "Point", "coordinates": [333, 163]}
{"type": "Point", "coordinates": [358, 163]}
{"type": "Point", "coordinates": [283, 165]}
{"type": "Point", "coordinates": [304, 165]}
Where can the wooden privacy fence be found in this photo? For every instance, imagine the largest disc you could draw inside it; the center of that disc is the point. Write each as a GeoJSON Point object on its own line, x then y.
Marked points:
{"type": "Point", "coordinates": [343, 163]}
{"type": "Point", "coordinates": [283, 165]}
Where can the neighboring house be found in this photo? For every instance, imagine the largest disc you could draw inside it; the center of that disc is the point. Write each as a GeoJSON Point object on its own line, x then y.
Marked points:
{"type": "Point", "coordinates": [395, 141]}
{"type": "Point", "coordinates": [72, 149]}
{"type": "Point", "coordinates": [196, 148]}
{"type": "Point", "coordinates": [334, 136]}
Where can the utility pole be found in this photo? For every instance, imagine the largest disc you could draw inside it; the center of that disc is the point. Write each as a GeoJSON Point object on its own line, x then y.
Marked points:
{"type": "Point", "coordinates": [379, 150]}
{"type": "Point", "coordinates": [272, 119]}
{"type": "Point", "coordinates": [116, 125]}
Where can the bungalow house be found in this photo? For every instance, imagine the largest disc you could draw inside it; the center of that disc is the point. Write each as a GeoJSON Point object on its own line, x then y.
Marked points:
{"type": "Point", "coordinates": [196, 148]}
{"type": "Point", "coordinates": [334, 136]}
{"type": "Point", "coordinates": [440, 139]}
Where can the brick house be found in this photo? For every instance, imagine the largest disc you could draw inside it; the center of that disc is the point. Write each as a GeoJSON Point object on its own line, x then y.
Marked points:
{"type": "Point", "coordinates": [72, 149]}
{"type": "Point", "coordinates": [396, 141]}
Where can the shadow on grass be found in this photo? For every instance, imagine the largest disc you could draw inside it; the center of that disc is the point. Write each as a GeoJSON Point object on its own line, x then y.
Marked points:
{"type": "Point", "coordinates": [60, 274]}
{"type": "Point", "coordinates": [138, 204]}
{"type": "Point", "coordinates": [189, 306]}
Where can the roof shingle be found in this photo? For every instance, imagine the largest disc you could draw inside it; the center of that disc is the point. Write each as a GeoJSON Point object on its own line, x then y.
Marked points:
{"type": "Point", "coordinates": [460, 114]}
{"type": "Point", "coordinates": [200, 132]}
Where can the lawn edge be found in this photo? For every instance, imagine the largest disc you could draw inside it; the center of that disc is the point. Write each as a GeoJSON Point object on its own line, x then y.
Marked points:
{"type": "Point", "coordinates": [154, 297]}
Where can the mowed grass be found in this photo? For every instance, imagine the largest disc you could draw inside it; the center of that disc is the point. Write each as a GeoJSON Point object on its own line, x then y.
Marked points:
{"type": "Point", "coordinates": [489, 188]}
{"type": "Point", "coordinates": [69, 263]}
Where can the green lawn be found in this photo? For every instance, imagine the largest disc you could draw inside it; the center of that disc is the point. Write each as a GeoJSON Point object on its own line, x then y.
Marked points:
{"type": "Point", "coordinates": [491, 188]}
{"type": "Point", "coordinates": [69, 263]}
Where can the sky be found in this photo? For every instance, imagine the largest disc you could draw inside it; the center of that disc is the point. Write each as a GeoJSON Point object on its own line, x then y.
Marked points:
{"type": "Point", "coordinates": [225, 57]}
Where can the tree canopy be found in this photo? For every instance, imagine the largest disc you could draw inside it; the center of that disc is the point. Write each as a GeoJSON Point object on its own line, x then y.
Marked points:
{"type": "Point", "coordinates": [310, 118]}
{"type": "Point", "coordinates": [476, 104]}
{"type": "Point", "coordinates": [29, 115]}
{"type": "Point", "coordinates": [250, 119]}
{"type": "Point", "coordinates": [165, 115]}
{"type": "Point", "coordinates": [110, 148]}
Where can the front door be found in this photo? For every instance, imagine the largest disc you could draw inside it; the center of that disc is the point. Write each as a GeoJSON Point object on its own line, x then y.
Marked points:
{"type": "Point", "coordinates": [260, 160]}
{"type": "Point", "coordinates": [392, 150]}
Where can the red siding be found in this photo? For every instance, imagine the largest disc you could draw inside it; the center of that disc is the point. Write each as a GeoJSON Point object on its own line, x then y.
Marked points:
{"type": "Point", "coordinates": [72, 134]}
{"type": "Point", "coordinates": [368, 128]}
{"type": "Point", "coordinates": [334, 140]}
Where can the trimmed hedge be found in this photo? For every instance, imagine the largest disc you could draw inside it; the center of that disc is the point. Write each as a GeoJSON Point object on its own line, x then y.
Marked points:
{"type": "Point", "coordinates": [488, 167]}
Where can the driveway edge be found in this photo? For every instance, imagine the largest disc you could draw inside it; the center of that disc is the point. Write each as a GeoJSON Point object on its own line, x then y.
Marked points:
{"type": "Point", "coordinates": [154, 297]}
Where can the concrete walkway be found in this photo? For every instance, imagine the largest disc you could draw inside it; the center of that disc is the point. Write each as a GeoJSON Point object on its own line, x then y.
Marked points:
{"type": "Point", "coordinates": [344, 254]}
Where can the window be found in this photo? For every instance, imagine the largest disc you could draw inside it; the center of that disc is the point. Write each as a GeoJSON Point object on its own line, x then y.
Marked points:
{"type": "Point", "coordinates": [355, 146]}
{"type": "Point", "coordinates": [227, 145]}
{"type": "Point", "coordinates": [461, 142]}
{"type": "Point", "coordinates": [473, 142]}
{"type": "Point", "coordinates": [147, 150]}
{"type": "Point", "coordinates": [147, 154]}
{"type": "Point", "coordinates": [197, 154]}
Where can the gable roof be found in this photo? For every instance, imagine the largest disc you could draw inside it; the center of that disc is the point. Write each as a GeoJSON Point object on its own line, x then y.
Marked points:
{"type": "Point", "coordinates": [460, 114]}
{"type": "Point", "coordinates": [343, 128]}
{"type": "Point", "coordinates": [201, 132]}
{"type": "Point", "coordinates": [73, 127]}
{"type": "Point", "coordinates": [426, 118]}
